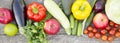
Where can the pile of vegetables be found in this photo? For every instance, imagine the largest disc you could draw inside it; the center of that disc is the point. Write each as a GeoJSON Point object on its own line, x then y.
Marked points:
{"type": "Point", "coordinates": [99, 18]}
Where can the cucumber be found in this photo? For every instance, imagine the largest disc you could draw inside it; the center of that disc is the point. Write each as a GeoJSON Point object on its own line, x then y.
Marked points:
{"type": "Point", "coordinates": [79, 29]}
{"type": "Point", "coordinates": [57, 13]}
{"type": "Point", "coordinates": [74, 30]}
{"type": "Point", "coordinates": [66, 4]}
{"type": "Point", "coordinates": [71, 21]}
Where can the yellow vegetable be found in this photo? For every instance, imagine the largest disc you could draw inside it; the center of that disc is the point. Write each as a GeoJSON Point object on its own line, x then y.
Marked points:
{"type": "Point", "coordinates": [81, 9]}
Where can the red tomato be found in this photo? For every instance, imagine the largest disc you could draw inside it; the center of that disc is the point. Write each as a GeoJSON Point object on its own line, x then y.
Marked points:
{"type": "Point", "coordinates": [104, 38]}
{"type": "Point", "coordinates": [108, 28]}
{"type": "Point", "coordinates": [103, 31]}
{"type": "Point", "coordinates": [112, 32]}
{"type": "Point", "coordinates": [94, 30]}
{"type": "Point", "coordinates": [90, 34]}
{"type": "Point", "coordinates": [117, 34]}
{"type": "Point", "coordinates": [97, 35]}
{"type": "Point", "coordinates": [110, 38]}
{"type": "Point", "coordinates": [85, 31]}
{"type": "Point", "coordinates": [90, 28]}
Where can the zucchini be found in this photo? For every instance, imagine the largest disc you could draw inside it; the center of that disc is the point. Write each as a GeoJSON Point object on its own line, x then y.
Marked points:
{"type": "Point", "coordinates": [74, 30]}
{"type": "Point", "coordinates": [57, 13]}
{"type": "Point", "coordinates": [79, 29]}
{"type": "Point", "coordinates": [71, 21]}
{"type": "Point", "coordinates": [66, 4]}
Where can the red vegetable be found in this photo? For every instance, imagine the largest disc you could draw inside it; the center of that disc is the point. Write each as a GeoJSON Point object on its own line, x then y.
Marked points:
{"type": "Point", "coordinates": [90, 28]}
{"type": "Point", "coordinates": [94, 30]}
{"type": "Point", "coordinates": [110, 38]}
{"type": "Point", "coordinates": [103, 31]}
{"type": "Point", "coordinates": [90, 34]}
{"type": "Point", "coordinates": [85, 31]}
{"type": "Point", "coordinates": [117, 34]}
{"type": "Point", "coordinates": [111, 23]}
{"type": "Point", "coordinates": [36, 11]}
{"type": "Point", "coordinates": [112, 32]}
{"type": "Point", "coordinates": [5, 15]}
{"type": "Point", "coordinates": [116, 25]}
{"type": "Point", "coordinates": [108, 28]}
{"type": "Point", "coordinates": [104, 38]}
{"type": "Point", "coordinates": [97, 35]}
{"type": "Point", "coordinates": [119, 30]}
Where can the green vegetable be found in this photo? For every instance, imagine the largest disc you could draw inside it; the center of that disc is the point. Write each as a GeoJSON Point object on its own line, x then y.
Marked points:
{"type": "Point", "coordinates": [74, 30]}
{"type": "Point", "coordinates": [66, 4]}
{"type": "Point", "coordinates": [57, 13]}
{"type": "Point", "coordinates": [71, 21]}
{"type": "Point", "coordinates": [89, 19]}
{"type": "Point", "coordinates": [92, 2]}
{"type": "Point", "coordinates": [79, 29]}
{"type": "Point", "coordinates": [34, 31]}
{"type": "Point", "coordinates": [112, 9]}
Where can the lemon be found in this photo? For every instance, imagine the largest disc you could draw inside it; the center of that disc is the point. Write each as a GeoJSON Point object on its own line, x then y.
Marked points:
{"type": "Point", "coordinates": [10, 29]}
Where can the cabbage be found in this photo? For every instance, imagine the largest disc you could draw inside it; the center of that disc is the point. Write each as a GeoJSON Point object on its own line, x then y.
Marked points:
{"type": "Point", "coordinates": [112, 9]}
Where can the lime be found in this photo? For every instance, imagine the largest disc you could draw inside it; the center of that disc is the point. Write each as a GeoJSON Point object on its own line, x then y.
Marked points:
{"type": "Point", "coordinates": [10, 29]}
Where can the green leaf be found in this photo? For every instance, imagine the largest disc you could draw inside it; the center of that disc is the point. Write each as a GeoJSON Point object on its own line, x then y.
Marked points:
{"type": "Point", "coordinates": [92, 2]}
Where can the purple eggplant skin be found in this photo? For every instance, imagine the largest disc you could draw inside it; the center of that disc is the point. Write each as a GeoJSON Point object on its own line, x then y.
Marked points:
{"type": "Point", "coordinates": [18, 10]}
{"type": "Point", "coordinates": [99, 6]}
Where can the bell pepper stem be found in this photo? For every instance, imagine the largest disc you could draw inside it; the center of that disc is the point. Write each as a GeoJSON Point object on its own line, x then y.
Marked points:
{"type": "Point", "coordinates": [34, 10]}
{"type": "Point", "coordinates": [82, 7]}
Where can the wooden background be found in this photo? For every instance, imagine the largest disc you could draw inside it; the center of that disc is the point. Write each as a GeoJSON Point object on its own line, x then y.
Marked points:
{"type": "Point", "coordinates": [61, 37]}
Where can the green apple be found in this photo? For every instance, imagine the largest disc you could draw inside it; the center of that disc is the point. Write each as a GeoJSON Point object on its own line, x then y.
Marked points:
{"type": "Point", "coordinates": [10, 29]}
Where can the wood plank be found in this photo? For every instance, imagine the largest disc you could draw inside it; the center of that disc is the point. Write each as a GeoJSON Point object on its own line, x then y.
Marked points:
{"type": "Point", "coordinates": [15, 39]}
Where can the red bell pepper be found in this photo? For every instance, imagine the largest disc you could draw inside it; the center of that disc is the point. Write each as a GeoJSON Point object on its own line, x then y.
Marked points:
{"type": "Point", "coordinates": [36, 11]}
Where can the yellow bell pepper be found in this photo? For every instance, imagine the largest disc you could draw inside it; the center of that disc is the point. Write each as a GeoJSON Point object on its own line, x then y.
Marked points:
{"type": "Point", "coordinates": [81, 9]}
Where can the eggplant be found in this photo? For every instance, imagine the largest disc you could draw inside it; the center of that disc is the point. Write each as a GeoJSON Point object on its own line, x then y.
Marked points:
{"type": "Point", "coordinates": [99, 6]}
{"type": "Point", "coordinates": [18, 10]}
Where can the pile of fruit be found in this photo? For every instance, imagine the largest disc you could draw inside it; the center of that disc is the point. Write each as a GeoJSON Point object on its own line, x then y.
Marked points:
{"type": "Point", "coordinates": [101, 27]}
{"type": "Point", "coordinates": [109, 33]}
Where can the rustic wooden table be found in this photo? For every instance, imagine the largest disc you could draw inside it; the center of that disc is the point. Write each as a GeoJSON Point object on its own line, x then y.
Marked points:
{"type": "Point", "coordinates": [61, 37]}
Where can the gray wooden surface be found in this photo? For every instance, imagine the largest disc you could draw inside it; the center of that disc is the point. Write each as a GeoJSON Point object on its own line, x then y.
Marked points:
{"type": "Point", "coordinates": [61, 37]}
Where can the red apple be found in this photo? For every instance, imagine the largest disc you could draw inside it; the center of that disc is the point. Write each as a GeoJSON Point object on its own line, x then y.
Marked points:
{"type": "Point", "coordinates": [100, 21]}
{"type": "Point", "coordinates": [51, 26]}
{"type": "Point", "coordinates": [5, 15]}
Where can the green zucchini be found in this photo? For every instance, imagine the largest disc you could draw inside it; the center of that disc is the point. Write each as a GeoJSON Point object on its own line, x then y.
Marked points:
{"type": "Point", "coordinates": [71, 21]}
{"type": "Point", "coordinates": [79, 29]}
{"type": "Point", "coordinates": [74, 30]}
{"type": "Point", "coordinates": [57, 13]}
